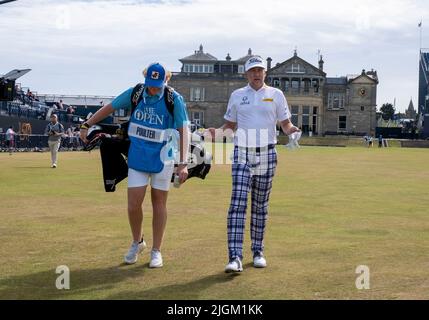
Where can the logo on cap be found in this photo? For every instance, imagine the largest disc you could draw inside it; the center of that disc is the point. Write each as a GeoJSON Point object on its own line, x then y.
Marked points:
{"type": "Point", "coordinates": [155, 75]}
{"type": "Point", "coordinates": [255, 60]}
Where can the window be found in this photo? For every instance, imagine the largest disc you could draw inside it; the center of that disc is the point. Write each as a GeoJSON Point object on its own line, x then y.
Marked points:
{"type": "Point", "coordinates": [295, 68]}
{"type": "Point", "coordinates": [342, 123]}
{"type": "Point", "coordinates": [315, 110]}
{"type": "Point", "coordinates": [295, 84]}
{"type": "Point", "coordinates": [197, 117]}
{"type": "Point", "coordinates": [287, 84]}
{"type": "Point", "coordinates": [362, 108]}
{"type": "Point", "coordinates": [197, 94]}
{"type": "Point", "coordinates": [305, 123]}
{"type": "Point", "coordinates": [294, 112]}
{"type": "Point", "coordinates": [306, 110]}
{"type": "Point", "coordinates": [315, 85]}
{"type": "Point", "coordinates": [276, 83]}
{"type": "Point", "coordinates": [240, 69]}
{"type": "Point", "coordinates": [314, 124]}
{"type": "Point", "coordinates": [336, 100]}
{"type": "Point", "coordinates": [307, 86]}
{"type": "Point", "coordinates": [198, 68]}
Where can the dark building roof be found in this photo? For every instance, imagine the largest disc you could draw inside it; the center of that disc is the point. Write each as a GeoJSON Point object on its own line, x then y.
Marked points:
{"type": "Point", "coordinates": [337, 81]}
{"type": "Point", "coordinates": [246, 57]}
{"type": "Point", "coordinates": [199, 55]}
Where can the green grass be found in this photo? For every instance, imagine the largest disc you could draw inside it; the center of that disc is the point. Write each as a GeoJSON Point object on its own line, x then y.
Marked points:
{"type": "Point", "coordinates": [331, 210]}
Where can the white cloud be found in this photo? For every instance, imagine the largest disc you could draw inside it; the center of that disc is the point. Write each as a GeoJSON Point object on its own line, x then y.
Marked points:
{"type": "Point", "coordinates": [100, 47]}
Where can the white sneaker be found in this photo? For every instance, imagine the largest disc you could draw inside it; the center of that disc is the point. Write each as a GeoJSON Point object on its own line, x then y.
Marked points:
{"type": "Point", "coordinates": [155, 259]}
{"type": "Point", "coordinates": [133, 254]}
{"type": "Point", "coordinates": [54, 165]}
{"type": "Point", "coordinates": [234, 266]}
{"type": "Point", "coordinates": [259, 261]}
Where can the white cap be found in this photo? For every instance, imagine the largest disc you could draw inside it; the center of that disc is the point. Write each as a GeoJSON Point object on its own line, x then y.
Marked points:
{"type": "Point", "coordinates": [254, 62]}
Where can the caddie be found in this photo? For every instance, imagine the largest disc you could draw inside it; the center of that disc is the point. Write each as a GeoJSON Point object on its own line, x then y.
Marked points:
{"type": "Point", "coordinates": [150, 159]}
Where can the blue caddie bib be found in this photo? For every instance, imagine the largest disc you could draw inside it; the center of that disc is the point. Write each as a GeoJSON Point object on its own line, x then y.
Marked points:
{"type": "Point", "coordinates": [149, 131]}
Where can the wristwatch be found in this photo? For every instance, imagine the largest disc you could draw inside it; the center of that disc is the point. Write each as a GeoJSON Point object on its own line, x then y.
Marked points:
{"type": "Point", "coordinates": [85, 126]}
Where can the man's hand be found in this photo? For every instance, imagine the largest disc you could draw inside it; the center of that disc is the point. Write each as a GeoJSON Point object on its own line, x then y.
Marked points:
{"type": "Point", "coordinates": [182, 172]}
{"type": "Point", "coordinates": [291, 130]}
{"type": "Point", "coordinates": [210, 134]}
{"type": "Point", "coordinates": [288, 128]}
{"type": "Point", "coordinates": [227, 130]}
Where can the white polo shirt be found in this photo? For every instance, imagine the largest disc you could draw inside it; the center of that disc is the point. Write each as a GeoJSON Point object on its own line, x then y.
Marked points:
{"type": "Point", "coordinates": [256, 114]}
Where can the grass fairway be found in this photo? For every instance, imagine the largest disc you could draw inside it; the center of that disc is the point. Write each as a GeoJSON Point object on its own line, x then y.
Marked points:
{"type": "Point", "coordinates": [331, 210]}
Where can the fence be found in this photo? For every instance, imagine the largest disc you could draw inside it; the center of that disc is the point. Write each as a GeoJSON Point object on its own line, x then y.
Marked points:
{"type": "Point", "coordinates": [35, 142]}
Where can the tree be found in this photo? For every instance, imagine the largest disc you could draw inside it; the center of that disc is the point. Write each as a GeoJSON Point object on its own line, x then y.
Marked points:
{"type": "Point", "coordinates": [388, 111]}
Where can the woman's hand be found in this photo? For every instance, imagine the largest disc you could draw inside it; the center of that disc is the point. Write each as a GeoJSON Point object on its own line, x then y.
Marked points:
{"type": "Point", "coordinates": [83, 133]}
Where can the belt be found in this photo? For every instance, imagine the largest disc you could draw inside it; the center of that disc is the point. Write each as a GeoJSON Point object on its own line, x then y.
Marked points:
{"type": "Point", "coordinates": [257, 149]}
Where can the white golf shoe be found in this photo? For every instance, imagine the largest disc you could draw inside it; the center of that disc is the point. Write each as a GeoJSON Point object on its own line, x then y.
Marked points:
{"type": "Point", "coordinates": [234, 266]}
{"type": "Point", "coordinates": [155, 259]}
{"type": "Point", "coordinates": [133, 254]}
{"type": "Point", "coordinates": [259, 261]}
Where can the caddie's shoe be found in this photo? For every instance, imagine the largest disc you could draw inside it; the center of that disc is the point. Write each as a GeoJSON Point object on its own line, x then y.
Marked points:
{"type": "Point", "coordinates": [133, 254]}
{"type": "Point", "coordinates": [234, 265]}
{"type": "Point", "coordinates": [259, 261]}
{"type": "Point", "coordinates": [155, 259]}
{"type": "Point", "coordinates": [54, 165]}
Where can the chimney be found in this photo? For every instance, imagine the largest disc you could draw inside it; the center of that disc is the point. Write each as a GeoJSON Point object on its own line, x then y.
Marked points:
{"type": "Point", "coordinates": [321, 62]}
{"type": "Point", "coordinates": [269, 60]}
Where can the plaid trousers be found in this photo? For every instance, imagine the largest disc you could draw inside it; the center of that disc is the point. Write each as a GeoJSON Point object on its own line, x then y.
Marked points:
{"type": "Point", "coordinates": [252, 171]}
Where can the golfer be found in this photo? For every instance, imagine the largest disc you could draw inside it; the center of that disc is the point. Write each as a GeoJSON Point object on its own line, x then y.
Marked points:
{"type": "Point", "coordinates": [55, 131]}
{"type": "Point", "coordinates": [150, 128]}
{"type": "Point", "coordinates": [252, 112]}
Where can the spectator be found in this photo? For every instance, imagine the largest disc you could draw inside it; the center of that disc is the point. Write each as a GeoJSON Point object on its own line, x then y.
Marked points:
{"type": "Point", "coordinates": [60, 105]}
{"type": "Point", "coordinates": [380, 141]}
{"type": "Point", "coordinates": [54, 130]}
{"type": "Point", "coordinates": [10, 139]}
{"type": "Point", "coordinates": [70, 112]}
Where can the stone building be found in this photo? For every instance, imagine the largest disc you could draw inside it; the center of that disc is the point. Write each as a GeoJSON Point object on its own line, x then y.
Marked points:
{"type": "Point", "coordinates": [325, 105]}
{"type": "Point", "coordinates": [319, 104]}
{"type": "Point", "coordinates": [206, 84]}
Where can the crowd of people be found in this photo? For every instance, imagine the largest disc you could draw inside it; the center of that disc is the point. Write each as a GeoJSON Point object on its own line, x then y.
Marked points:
{"type": "Point", "coordinates": [68, 139]}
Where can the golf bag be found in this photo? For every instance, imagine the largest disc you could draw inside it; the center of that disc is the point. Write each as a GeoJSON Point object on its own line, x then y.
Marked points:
{"type": "Point", "coordinates": [114, 145]}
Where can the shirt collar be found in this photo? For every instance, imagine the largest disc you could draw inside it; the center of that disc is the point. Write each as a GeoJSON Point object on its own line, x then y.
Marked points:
{"type": "Point", "coordinates": [249, 88]}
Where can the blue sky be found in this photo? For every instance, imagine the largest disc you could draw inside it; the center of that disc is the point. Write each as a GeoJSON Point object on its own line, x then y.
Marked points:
{"type": "Point", "coordinates": [101, 47]}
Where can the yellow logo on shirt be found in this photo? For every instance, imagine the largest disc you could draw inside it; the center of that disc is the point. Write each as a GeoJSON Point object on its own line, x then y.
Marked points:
{"type": "Point", "coordinates": [268, 100]}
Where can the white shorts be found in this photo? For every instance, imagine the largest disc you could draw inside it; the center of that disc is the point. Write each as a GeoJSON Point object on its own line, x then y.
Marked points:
{"type": "Point", "coordinates": [160, 181]}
